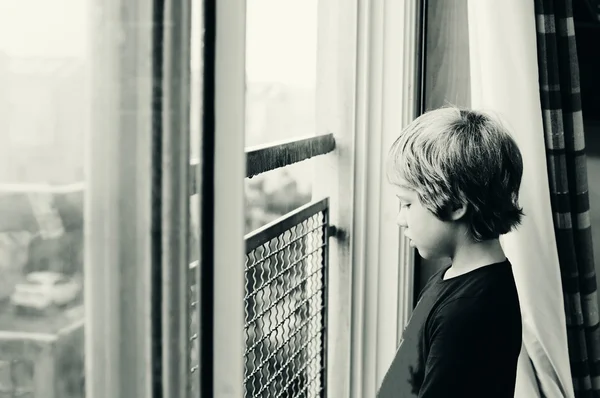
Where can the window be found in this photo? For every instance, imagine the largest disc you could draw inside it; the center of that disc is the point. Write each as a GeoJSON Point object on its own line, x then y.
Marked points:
{"type": "Point", "coordinates": [281, 67]}
{"type": "Point", "coordinates": [42, 110]}
{"type": "Point", "coordinates": [97, 186]}
{"type": "Point", "coordinates": [287, 238]}
{"type": "Point", "coordinates": [446, 79]}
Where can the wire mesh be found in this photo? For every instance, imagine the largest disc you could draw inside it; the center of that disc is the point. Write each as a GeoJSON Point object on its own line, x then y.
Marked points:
{"type": "Point", "coordinates": [285, 307]}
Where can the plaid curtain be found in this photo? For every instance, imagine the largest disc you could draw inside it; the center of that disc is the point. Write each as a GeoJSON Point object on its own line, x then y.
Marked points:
{"type": "Point", "coordinates": [565, 152]}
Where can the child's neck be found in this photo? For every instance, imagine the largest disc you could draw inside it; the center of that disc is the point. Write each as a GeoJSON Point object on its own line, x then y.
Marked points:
{"type": "Point", "coordinates": [472, 255]}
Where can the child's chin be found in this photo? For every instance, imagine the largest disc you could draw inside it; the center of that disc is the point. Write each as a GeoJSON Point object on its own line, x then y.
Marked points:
{"type": "Point", "coordinates": [425, 254]}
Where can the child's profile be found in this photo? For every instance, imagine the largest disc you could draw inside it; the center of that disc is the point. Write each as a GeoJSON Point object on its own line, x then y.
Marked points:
{"type": "Point", "coordinates": [457, 174]}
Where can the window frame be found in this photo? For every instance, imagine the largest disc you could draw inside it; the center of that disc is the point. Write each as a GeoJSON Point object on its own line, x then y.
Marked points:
{"type": "Point", "coordinates": [137, 201]}
{"type": "Point", "coordinates": [388, 90]}
{"type": "Point", "coordinates": [366, 91]}
{"type": "Point", "coordinates": [222, 170]}
{"type": "Point", "coordinates": [117, 232]}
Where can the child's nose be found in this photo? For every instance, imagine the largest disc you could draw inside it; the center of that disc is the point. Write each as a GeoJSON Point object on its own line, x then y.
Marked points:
{"type": "Point", "coordinates": [401, 220]}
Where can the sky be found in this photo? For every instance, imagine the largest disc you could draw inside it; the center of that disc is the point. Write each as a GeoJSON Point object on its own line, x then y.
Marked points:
{"type": "Point", "coordinates": [280, 42]}
{"type": "Point", "coordinates": [44, 28]}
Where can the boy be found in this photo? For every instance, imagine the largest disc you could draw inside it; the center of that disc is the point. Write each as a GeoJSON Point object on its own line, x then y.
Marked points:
{"type": "Point", "coordinates": [457, 174]}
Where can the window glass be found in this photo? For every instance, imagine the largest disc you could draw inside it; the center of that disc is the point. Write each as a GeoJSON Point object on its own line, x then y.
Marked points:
{"type": "Point", "coordinates": [281, 50]}
{"type": "Point", "coordinates": [447, 80]}
{"type": "Point", "coordinates": [43, 100]}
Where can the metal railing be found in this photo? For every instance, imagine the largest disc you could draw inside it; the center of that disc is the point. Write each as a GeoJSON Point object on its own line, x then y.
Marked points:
{"type": "Point", "coordinates": [285, 323]}
{"type": "Point", "coordinates": [285, 301]}
{"type": "Point", "coordinates": [286, 305]}
{"type": "Point", "coordinates": [263, 158]}
{"type": "Point", "coordinates": [274, 155]}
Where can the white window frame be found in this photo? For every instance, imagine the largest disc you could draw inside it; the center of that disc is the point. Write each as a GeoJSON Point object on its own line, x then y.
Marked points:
{"type": "Point", "coordinates": [230, 171]}
{"type": "Point", "coordinates": [221, 367]}
{"type": "Point", "coordinates": [383, 260]}
{"type": "Point", "coordinates": [366, 92]}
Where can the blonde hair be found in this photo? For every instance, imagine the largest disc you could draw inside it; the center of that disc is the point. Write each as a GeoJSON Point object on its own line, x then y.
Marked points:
{"type": "Point", "coordinates": [451, 156]}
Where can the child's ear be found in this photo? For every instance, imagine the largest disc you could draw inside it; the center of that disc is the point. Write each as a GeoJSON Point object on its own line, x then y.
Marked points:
{"type": "Point", "coordinates": [458, 211]}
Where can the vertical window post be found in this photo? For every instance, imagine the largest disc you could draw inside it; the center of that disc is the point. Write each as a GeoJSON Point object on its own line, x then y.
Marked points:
{"type": "Point", "coordinates": [386, 94]}
{"type": "Point", "coordinates": [137, 201]}
{"type": "Point", "coordinates": [334, 175]}
{"type": "Point", "coordinates": [222, 172]}
{"type": "Point", "coordinates": [120, 203]}
{"type": "Point", "coordinates": [173, 302]}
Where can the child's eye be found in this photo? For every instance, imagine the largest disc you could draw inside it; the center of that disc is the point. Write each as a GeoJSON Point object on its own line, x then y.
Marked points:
{"type": "Point", "coordinates": [407, 205]}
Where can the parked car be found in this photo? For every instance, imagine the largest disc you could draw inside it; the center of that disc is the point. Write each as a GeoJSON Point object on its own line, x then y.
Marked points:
{"type": "Point", "coordinates": [45, 290]}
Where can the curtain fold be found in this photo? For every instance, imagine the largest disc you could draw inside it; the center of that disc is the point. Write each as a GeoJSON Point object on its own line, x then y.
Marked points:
{"type": "Point", "coordinates": [560, 93]}
{"type": "Point", "coordinates": [504, 79]}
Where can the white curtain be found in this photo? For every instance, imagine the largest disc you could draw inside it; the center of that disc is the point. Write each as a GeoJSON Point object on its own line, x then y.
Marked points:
{"type": "Point", "coordinates": [504, 78]}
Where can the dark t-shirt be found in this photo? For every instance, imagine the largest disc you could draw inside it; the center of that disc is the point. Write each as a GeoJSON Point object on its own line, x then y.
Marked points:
{"type": "Point", "coordinates": [463, 338]}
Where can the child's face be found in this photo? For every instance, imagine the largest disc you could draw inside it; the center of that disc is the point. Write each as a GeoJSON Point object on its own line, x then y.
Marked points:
{"type": "Point", "coordinates": [432, 237]}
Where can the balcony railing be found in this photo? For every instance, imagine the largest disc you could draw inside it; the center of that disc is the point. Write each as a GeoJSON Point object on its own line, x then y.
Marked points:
{"type": "Point", "coordinates": [285, 301]}
{"type": "Point", "coordinates": [285, 323]}
{"type": "Point", "coordinates": [263, 158]}
{"type": "Point", "coordinates": [286, 305]}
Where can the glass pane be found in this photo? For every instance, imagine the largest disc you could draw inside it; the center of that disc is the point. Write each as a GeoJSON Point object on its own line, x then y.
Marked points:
{"type": "Point", "coordinates": [281, 51]}
{"type": "Point", "coordinates": [43, 100]}
{"type": "Point", "coordinates": [280, 105]}
{"type": "Point", "coordinates": [447, 80]}
{"type": "Point", "coordinates": [281, 59]}
{"type": "Point", "coordinates": [272, 194]}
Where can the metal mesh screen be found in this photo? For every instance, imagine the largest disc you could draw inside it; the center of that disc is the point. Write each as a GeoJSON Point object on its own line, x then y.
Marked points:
{"type": "Point", "coordinates": [285, 306]}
